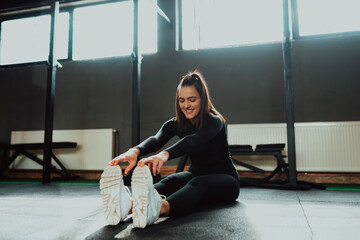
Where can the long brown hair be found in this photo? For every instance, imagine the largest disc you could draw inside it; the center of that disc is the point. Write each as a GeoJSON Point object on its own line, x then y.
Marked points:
{"type": "Point", "coordinates": [197, 80]}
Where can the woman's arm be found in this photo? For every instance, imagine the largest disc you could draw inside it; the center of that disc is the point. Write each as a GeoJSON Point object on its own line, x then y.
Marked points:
{"type": "Point", "coordinates": [194, 142]}
{"type": "Point", "coordinates": [154, 143]}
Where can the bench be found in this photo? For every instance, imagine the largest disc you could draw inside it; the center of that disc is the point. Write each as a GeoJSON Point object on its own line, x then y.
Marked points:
{"type": "Point", "coordinates": [261, 150]}
{"type": "Point", "coordinates": [23, 148]}
{"type": "Point", "coordinates": [266, 182]}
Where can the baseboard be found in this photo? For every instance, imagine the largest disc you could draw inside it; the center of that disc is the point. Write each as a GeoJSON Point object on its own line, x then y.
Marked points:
{"type": "Point", "coordinates": [315, 177]}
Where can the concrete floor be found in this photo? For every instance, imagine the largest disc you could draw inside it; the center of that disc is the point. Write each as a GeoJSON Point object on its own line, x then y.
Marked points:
{"type": "Point", "coordinates": [35, 211]}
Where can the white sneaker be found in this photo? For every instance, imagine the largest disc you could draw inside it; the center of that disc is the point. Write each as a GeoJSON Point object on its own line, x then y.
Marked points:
{"type": "Point", "coordinates": [146, 200]}
{"type": "Point", "coordinates": [116, 197]}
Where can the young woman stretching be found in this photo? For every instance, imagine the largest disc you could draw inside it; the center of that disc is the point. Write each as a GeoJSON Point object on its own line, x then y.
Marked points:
{"type": "Point", "coordinates": [211, 178]}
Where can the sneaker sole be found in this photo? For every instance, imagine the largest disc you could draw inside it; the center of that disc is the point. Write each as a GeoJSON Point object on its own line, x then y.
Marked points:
{"type": "Point", "coordinates": [109, 185]}
{"type": "Point", "coordinates": [140, 189]}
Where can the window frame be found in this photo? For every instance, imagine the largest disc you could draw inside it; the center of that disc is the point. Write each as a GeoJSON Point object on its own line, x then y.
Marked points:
{"type": "Point", "coordinates": [37, 13]}
{"type": "Point", "coordinates": [296, 30]}
{"type": "Point", "coordinates": [295, 36]}
{"type": "Point", "coordinates": [40, 11]}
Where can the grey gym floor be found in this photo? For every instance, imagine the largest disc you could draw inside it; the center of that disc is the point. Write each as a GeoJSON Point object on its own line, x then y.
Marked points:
{"type": "Point", "coordinates": [56, 211]}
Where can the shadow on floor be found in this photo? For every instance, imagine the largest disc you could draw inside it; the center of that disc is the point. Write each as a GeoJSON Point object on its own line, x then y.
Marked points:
{"type": "Point", "coordinates": [221, 222]}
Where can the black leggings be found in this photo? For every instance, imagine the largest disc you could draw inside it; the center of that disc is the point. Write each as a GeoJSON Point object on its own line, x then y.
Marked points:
{"type": "Point", "coordinates": [185, 190]}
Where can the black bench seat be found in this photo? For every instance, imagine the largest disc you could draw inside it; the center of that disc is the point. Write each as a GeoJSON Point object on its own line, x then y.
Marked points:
{"type": "Point", "coordinates": [261, 150]}
{"type": "Point", "coordinates": [23, 148]}
{"type": "Point", "coordinates": [36, 146]}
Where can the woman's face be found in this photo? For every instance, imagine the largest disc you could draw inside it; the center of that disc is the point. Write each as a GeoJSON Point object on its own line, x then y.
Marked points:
{"type": "Point", "coordinates": [189, 102]}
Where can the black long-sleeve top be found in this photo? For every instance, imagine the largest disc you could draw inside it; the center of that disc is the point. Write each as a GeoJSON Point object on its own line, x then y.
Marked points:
{"type": "Point", "coordinates": [207, 148]}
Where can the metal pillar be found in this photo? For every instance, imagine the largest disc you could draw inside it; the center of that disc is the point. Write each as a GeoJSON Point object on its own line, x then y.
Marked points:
{"type": "Point", "coordinates": [289, 96]}
{"type": "Point", "coordinates": [50, 95]}
{"type": "Point", "coordinates": [136, 74]}
{"type": "Point", "coordinates": [136, 78]}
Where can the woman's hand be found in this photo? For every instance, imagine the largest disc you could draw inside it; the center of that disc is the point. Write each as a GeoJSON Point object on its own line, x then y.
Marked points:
{"type": "Point", "coordinates": [130, 156]}
{"type": "Point", "coordinates": [155, 162]}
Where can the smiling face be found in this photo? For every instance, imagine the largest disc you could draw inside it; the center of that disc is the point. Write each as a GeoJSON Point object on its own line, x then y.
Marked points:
{"type": "Point", "coordinates": [189, 102]}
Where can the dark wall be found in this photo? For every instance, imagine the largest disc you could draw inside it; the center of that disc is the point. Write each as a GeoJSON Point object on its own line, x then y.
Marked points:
{"type": "Point", "coordinates": [246, 84]}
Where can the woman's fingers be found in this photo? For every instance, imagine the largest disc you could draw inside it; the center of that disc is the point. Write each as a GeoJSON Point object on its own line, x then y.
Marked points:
{"type": "Point", "coordinates": [150, 165]}
{"type": "Point", "coordinates": [125, 157]}
{"type": "Point", "coordinates": [129, 167]}
{"type": "Point", "coordinates": [158, 167]}
{"type": "Point", "coordinates": [156, 170]}
{"type": "Point", "coordinates": [154, 163]}
{"type": "Point", "coordinates": [114, 162]}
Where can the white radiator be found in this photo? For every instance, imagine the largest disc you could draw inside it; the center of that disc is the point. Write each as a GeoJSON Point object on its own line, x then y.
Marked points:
{"type": "Point", "coordinates": [320, 146]}
{"type": "Point", "coordinates": [94, 149]}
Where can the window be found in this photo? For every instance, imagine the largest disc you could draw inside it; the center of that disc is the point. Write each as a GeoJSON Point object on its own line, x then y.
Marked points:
{"type": "Point", "coordinates": [98, 31]}
{"type": "Point", "coordinates": [220, 23]}
{"type": "Point", "coordinates": [107, 30]}
{"type": "Point", "coordinates": [328, 16]}
{"type": "Point", "coordinates": [27, 39]}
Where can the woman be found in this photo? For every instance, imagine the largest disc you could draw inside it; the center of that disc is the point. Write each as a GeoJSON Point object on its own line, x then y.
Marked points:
{"type": "Point", "coordinates": [211, 178]}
